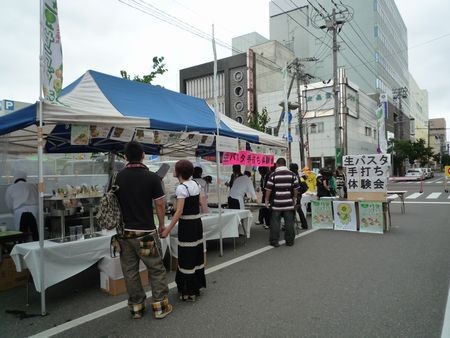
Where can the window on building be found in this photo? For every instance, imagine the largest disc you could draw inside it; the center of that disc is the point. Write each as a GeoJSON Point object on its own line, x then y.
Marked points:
{"type": "Point", "coordinates": [375, 134]}
{"type": "Point", "coordinates": [368, 131]}
{"type": "Point", "coordinates": [375, 31]}
{"type": "Point", "coordinates": [317, 127]}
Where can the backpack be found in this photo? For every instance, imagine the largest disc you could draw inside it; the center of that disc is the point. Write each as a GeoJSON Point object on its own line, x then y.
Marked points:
{"type": "Point", "coordinates": [109, 215]}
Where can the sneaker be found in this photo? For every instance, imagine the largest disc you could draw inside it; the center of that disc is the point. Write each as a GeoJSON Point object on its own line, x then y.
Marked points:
{"type": "Point", "coordinates": [265, 226]}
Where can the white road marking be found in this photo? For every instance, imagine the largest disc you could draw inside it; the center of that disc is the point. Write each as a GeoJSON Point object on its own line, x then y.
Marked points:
{"type": "Point", "coordinates": [434, 195]}
{"type": "Point", "coordinates": [421, 202]}
{"type": "Point", "coordinates": [107, 310]}
{"type": "Point", "coordinates": [440, 182]}
{"type": "Point", "coordinates": [413, 196]}
{"type": "Point", "coordinates": [446, 325]}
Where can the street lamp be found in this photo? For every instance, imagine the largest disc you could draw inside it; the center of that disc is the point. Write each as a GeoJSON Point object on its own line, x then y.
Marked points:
{"type": "Point", "coordinates": [308, 155]}
{"type": "Point", "coordinates": [290, 106]}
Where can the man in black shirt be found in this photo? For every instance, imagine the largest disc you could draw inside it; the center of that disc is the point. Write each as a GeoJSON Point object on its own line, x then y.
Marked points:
{"type": "Point", "coordinates": [138, 189]}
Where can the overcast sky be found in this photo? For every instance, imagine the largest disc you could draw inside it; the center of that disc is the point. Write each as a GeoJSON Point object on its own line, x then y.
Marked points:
{"type": "Point", "coordinates": [107, 35]}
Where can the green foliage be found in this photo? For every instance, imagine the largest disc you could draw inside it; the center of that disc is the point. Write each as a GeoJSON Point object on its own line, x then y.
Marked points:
{"type": "Point", "coordinates": [445, 160]}
{"type": "Point", "coordinates": [159, 68]}
{"type": "Point", "coordinates": [259, 121]}
{"type": "Point", "coordinates": [405, 149]}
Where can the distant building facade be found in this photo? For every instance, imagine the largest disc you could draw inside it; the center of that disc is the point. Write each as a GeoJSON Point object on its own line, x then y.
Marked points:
{"type": "Point", "coordinates": [438, 136]}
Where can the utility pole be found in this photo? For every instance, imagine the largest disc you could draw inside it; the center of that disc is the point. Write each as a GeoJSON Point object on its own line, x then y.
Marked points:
{"type": "Point", "coordinates": [398, 95]}
{"type": "Point", "coordinates": [333, 22]}
{"type": "Point", "coordinates": [296, 67]}
{"type": "Point", "coordinates": [302, 78]}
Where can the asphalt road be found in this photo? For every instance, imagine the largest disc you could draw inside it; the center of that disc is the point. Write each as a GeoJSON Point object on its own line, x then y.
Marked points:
{"type": "Point", "coordinates": [329, 284]}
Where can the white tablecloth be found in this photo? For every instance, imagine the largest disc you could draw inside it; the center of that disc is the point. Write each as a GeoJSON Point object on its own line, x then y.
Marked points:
{"type": "Point", "coordinates": [62, 260]}
{"type": "Point", "coordinates": [229, 226]}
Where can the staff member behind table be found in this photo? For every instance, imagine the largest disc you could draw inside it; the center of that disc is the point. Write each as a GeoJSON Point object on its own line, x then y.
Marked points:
{"type": "Point", "coordinates": [22, 199]}
{"type": "Point", "coordinates": [236, 173]}
{"type": "Point", "coordinates": [242, 184]}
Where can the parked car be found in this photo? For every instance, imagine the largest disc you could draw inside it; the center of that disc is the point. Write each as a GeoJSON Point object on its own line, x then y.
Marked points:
{"type": "Point", "coordinates": [415, 174]}
{"type": "Point", "coordinates": [430, 172]}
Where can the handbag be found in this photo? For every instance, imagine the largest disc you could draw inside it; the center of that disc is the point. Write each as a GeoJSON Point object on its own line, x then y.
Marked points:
{"type": "Point", "coordinates": [109, 215]}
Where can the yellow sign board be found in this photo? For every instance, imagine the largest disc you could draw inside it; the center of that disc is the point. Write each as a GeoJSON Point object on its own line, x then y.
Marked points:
{"type": "Point", "coordinates": [447, 170]}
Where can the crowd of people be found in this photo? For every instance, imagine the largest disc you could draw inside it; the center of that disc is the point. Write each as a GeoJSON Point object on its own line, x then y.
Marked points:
{"type": "Point", "coordinates": [139, 191]}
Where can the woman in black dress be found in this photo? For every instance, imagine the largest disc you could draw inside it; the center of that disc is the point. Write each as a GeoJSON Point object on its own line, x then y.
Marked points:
{"type": "Point", "coordinates": [190, 277]}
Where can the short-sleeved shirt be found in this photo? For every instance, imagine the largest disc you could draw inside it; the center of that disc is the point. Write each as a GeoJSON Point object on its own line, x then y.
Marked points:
{"type": "Point", "coordinates": [138, 188]}
{"type": "Point", "coordinates": [188, 188]}
{"type": "Point", "coordinates": [282, 183]}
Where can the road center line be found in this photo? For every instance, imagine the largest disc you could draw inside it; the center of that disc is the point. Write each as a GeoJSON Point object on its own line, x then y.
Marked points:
{"type": "Point", "coordinates": [123, 304]}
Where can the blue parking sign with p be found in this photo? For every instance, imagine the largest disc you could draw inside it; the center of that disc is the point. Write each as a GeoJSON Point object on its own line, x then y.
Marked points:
{"type": "Point", "coordinates": [8, 105]}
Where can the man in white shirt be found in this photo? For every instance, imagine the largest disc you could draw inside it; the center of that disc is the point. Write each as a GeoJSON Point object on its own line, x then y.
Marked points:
{"type": "Point", "coordinates": [242, 185]}
{"type": "Point", "coordinates": [22, 199]}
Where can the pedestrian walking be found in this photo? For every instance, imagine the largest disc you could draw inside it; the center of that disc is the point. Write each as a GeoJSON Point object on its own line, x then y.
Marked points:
{"type": "Point", "coordinates": [138, 188]}
{"type": "Point", "coordinates": [281, 192]}
{"type": "Point", "coordinates": [190, 276]}
{"type": "Point", "coordinates": [264, 212]}
{"type": "Point", "coordinates": [303, 187]}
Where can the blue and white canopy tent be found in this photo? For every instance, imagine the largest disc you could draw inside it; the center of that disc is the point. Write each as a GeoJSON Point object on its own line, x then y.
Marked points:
{"type": "Point", "coordinates": [112, 103]}
{"type": "Point", "coordinates": [97, 99]}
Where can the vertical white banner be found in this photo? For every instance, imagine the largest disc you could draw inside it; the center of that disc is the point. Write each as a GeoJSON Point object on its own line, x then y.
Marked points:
{"type": "Point", "coordinates": [381, 115]}
{"type": "Point", "coordinates": [51, 57]}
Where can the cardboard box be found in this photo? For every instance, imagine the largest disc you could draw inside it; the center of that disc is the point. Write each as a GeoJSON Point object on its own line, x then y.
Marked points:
{"type": "Point", "coordinates": [117, 286]}
{"type": "Point", "coordinates": [9, 277]}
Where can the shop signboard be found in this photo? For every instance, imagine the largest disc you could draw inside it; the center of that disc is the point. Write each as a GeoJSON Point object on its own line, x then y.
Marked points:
{"type": "Point", "coordinates": [367, 176]}
{"type": "Point", "coordinates": [321, 214]}
{"type": "Point", "coordinates": [371, 217]}
{"type": "Point", "coordinates": [345, 215]}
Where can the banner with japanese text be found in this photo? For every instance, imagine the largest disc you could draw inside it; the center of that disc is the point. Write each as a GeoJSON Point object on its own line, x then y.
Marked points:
{"type": "Point", "coordinates": [51, 58]}
{"type": "Point", "coordinates": [321, 214]}
{"type": "Point", "coordinates": [371, 217]}
{"type": "Point", "coordinates": [367, 173]}
{"type": "Point", "coordinates": [246, 157]}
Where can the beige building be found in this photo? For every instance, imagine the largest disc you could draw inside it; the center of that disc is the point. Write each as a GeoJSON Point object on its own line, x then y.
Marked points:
{"type": "Point", "coordinates": [437, 135]}
{"type": "Point", "coordinates": [418, 108]}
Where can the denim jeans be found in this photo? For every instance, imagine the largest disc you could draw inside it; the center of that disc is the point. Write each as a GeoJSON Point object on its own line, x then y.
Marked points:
{"type": "Point", "coordinates": [289, 231]}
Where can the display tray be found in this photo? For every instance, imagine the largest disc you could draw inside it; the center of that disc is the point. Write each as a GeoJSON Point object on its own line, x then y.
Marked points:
{"type": "Point", "coordinates": [74, 239]}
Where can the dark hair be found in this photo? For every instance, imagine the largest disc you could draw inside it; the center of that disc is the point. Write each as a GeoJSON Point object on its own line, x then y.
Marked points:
{"type": "Point", "coordinates": [281, 161]}
{"type": "Point", "coordinates": [198, 171]}
{"type": "Point", "coordinates": [237, 169]}
{"type": "Point", "coordinates": [294, 168]}
{"type": "Point", "coordinates": [134, 151]}
{"type": "Point", "coordinates": [263, 170]}
{"type": "Point", "coordinates": [184, 168]}
{"type": "Point", "coordinates": [247, 173]}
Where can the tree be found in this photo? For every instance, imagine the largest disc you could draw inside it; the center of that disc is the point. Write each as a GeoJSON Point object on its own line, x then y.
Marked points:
{"type": "Point", "coordinates": [400, 150]}
{"type": "Point", "coordinates": [405, 149]}
{"type": "Point", "coordinates": [159, 68]}
{"type": "Point", "coordinates": [259, 121]}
